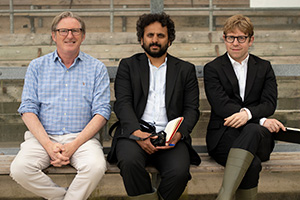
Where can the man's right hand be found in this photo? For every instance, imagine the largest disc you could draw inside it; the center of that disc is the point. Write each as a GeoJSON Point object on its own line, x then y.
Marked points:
{"type": "Point", "coordinates": [146, 145]}
{"type": "Point", "coordinates": [55, 152]}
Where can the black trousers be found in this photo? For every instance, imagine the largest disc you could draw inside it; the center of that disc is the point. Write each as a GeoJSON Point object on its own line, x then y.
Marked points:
{"type": "Point", "coordinates": [251, 137]}
{"type": "Point", "coordinates": [173, 166]}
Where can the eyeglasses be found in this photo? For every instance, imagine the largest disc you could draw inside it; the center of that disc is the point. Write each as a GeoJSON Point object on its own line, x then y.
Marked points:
{"type": "Point", "coordinates": [240, 39]}
{"type": "Point", "coordinates": [65, 31]}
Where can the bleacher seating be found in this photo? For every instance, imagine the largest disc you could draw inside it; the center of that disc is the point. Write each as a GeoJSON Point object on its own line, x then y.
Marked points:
{"type": "Point", "coordinates": [276, 39]}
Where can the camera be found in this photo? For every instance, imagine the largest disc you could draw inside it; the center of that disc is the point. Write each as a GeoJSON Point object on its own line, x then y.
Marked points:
{"type": "Point", "coordinates": [160, 140]}
{"type": "Point", "coordinates": [149, 128]}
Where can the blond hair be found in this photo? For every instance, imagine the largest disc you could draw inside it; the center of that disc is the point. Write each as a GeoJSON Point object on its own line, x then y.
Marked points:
{"type": "Point", "coordinates": [239, 22]}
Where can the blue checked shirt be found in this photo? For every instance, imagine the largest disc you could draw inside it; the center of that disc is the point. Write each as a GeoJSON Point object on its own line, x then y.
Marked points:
{"type": "Point", "coordinates": [65, 100]}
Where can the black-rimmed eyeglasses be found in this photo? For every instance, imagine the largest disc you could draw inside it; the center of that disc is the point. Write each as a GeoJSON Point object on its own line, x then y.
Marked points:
{"type": "Point", "coordinates": [240, 39]}
{"type": "Point", "coordinates": [65, 31]}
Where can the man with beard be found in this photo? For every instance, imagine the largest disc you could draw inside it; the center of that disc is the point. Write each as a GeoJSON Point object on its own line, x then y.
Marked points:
{"type": "Point", "coordinates": [155, 87]}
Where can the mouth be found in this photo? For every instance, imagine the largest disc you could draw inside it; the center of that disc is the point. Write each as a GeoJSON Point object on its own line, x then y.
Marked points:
{"type": "Point", "coordinates": [70, 42]}
{"type": "Point", "coordinates": [155, 45]}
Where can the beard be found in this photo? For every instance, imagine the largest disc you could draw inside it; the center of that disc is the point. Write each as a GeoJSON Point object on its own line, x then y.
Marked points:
{"type": "Point", "coordinates": [157, 54]}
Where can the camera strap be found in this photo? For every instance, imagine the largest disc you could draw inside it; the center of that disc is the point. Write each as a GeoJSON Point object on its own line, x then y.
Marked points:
{"type": "Point", "coordinates": [132, 137]}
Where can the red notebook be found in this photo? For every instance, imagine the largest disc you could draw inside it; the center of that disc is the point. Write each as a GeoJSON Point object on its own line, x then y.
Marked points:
{"type": "Point", "coordinates": [172, 128]}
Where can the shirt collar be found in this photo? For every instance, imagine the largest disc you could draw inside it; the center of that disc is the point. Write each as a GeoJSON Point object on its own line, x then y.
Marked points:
{"type": "Point", "coordinates": [56, 57]}
{"type": "Point", "coordinates": [234, 63]}
{"type": "Point", "coordinates": [163, 64]}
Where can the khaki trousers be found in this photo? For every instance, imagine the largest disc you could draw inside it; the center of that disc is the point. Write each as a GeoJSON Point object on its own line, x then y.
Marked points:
{"type": "Point", "coordinates": [88, 160]}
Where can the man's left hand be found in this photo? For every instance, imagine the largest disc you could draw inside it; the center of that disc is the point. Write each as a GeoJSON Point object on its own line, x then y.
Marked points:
{"type": "Point", "coordinates": [173, 142]}
{"type": "Point", "coordinates": [69, 149]}
{"type": "Point", "coordinates": [273, 125]}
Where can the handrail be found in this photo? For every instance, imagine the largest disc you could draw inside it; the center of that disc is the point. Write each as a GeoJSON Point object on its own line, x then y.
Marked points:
{"type": "Point", "coordinates": [113, 10]}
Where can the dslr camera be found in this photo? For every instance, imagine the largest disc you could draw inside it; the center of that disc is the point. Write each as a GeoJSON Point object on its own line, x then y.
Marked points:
{"type": "Point", "coordinates": [149, 128]}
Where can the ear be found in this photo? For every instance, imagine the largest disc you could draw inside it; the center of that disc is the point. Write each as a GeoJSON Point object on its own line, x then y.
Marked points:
{"type": "Point", "coordinates": [83, 37]}
{"type": "Point", "coordinates": [53, 34]}
{"type": "Point", "coordinates": [251, 40]}
{"type": "Point", "coordinates": [223, 37]}
{"type": "Point", "coordinates": [142, 41]}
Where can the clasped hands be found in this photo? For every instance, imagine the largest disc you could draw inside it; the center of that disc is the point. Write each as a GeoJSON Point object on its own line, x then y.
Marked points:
{"type": "Point", "coordinates": [60, 154]}
{"type": "Point", "coordinates": [147, 146]}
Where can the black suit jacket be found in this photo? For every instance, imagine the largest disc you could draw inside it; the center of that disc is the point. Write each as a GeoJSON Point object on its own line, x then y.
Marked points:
{"type": "Point", "coordinates": [132, 88]}
{"type": "Point", "coordinates": [222, 91]}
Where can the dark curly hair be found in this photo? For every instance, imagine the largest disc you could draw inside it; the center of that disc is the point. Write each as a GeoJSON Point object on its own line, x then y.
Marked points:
{"type": "Point", "coordinates": [146, 19]}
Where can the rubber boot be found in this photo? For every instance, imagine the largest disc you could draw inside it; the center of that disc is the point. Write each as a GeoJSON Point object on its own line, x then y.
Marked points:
{"type": "Point", "coordinates": [159, 196]}
{"type": "Point", "coordinates": [148, 196]}
{"type": "Point", "coordinates": [237, 164]}
{"type": "Point", "coordinates": [246, 194]}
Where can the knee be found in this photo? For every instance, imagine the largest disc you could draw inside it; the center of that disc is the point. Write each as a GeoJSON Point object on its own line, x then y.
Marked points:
{"type": "Point", "coordinates": [17, 170]}
{"type": "Point", "coordinates": [253, 130]}
{"type": "Point", "coordinates": [131, 162]}
{"type": "Point", "coordinates": [178, 174]}
{"type": "Point", "coordinates": [94, 168]}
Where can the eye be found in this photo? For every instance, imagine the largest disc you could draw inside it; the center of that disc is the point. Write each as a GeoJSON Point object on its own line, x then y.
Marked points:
{"type": "Point", "coordinates": [63, 30]}
{"type": "Point", "coordinates": [161, 35]}
{"type": "Point", "coordinates": [150, 35]}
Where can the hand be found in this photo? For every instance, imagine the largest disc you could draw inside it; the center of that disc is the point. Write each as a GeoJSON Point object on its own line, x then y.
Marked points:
{"type": "Point", "coordinates": [273, 125]}
{"type": "Point", "coordinates": [55, 152]}
{"type": "Point", "coordinates": [146, 145]}
{"type": "Point", "coordinates": [69, 149]}
{"type": "Point", "coordinates": [236, 120]}
{"type": "Point", "coordinates": [173, 141]}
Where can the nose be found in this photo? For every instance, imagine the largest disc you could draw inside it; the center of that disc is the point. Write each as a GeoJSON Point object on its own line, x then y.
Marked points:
{"type": "Point", "coordinates": [70, 34]}
{"type": "Point", "coordinates": [154, 39]}
{"type": "Point", "coordinates": [235, 41]}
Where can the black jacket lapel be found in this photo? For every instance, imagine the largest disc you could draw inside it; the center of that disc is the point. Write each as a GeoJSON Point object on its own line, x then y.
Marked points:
{"type": "Point", "coordinates": [229, 72]}
{"type": "Point", "coordinates": [172, 71]}
{"type": "Point", "coordinates": [144, 73]}
{"type": "Point", "coordinates": [251, 74]}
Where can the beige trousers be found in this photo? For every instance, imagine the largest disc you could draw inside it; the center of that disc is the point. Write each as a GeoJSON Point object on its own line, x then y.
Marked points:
{"type": "Point", "coordinates": [88, 160]}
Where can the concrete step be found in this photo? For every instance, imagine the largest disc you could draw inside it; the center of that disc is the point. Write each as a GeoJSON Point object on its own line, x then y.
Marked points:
{"type": "Point", "coordinates": [203, 186]}
{"type": "Point", "coordinates": [198, 47]}
{"type": "Point", "coordinates": [184, 21]}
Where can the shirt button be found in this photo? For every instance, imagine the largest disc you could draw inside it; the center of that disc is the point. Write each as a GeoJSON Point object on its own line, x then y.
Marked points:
{"type": "Point", "coordinates": [66, 85]}
{"type": "Point", "coordinates": [65, 113]}
{"type": "Point", "coordinates": [66, 99]}
{"type": "Point", "coordinates": [64, 128]}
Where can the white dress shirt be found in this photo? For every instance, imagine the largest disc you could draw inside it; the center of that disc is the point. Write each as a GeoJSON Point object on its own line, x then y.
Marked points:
{"type": "Point", "coordinates": [155, 111]}
{"type": "Point", "coordinates": [240, 70]}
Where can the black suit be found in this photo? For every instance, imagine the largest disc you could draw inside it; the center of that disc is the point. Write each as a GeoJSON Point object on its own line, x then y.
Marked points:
{"type": "Point", "coordinates": [222, 91]}
{"type": "Point", "coordinates": [181, 99]}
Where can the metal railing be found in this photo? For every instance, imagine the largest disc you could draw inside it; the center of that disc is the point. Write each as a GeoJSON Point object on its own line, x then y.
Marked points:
{"type": "Point", "coordinates": [210, 9]}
